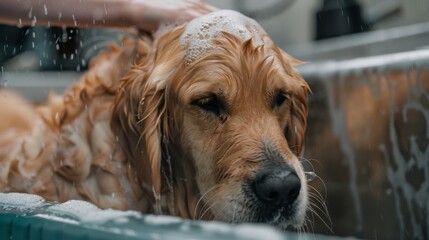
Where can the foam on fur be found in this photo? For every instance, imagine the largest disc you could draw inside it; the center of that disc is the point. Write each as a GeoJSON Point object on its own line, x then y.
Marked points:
{"type": "Point", "coordinates": [200, 32]}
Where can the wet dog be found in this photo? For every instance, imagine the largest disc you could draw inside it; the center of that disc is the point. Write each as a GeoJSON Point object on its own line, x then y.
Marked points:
{"type": "Point", "coordinates": [206, 121]}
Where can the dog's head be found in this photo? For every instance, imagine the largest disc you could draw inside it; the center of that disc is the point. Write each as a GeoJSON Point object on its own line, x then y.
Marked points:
{"type": "Point", "coordinates": [214, 115]}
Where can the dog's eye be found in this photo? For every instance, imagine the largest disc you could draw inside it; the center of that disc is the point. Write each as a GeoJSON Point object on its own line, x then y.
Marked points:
{"type": "Point", "coordinates": [280, 98]}
{"type": "Point", "coordinates": [209, 104]}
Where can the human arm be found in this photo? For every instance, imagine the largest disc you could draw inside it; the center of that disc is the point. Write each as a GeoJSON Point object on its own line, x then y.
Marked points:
{"type": "Point", "coordinates": [144, 14]}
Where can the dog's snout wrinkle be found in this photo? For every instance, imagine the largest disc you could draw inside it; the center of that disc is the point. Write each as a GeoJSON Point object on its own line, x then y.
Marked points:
{"type": "Point", "coordinates": [277, 188]}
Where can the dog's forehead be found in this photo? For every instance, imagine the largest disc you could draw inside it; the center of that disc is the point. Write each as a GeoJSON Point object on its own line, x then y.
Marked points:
{"type": "Point", "coordinates": [199, 34]}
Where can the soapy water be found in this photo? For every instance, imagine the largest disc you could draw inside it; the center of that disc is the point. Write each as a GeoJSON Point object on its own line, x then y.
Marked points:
{"type": "Point", "coordinates": [76, 215]}
{"type": "Point", "coordinates": [21, 200]}
{"type": "Point", "coordinates": [406, 193]}
{"type": "Point", "coordinates": [87, 212]}
{"type": "Point", "coordinates": [199, 33]}
{"type": "Point", "coordinates": [130, 223]}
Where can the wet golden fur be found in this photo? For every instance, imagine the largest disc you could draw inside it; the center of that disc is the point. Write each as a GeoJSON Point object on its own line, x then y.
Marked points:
{"type": "Point", "coordinates": [128, 135]}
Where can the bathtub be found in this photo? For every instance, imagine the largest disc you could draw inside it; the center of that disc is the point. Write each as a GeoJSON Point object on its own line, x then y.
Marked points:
{"type": "Point", "coordinates": [368, 133]}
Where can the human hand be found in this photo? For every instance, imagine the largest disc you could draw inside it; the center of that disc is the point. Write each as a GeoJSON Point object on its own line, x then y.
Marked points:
{"type": "Point", "coordinates": [150, 14]}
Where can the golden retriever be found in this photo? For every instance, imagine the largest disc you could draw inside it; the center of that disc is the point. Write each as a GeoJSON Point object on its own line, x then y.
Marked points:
{"type": "Point", "coordinates": [206, 121]}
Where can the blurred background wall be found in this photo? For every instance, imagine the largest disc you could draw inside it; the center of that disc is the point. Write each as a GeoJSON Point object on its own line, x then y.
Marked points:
{"type": "Point", "coordinates": [296, 24]}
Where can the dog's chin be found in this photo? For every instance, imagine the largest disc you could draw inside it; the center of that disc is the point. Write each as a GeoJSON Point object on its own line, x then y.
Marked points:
{"type": "Point", "coordinates": [291, 218]}
{"type": "Point", "coordinates": [289, 223]}
{"type": "Point", "coordinates": [283, 218]}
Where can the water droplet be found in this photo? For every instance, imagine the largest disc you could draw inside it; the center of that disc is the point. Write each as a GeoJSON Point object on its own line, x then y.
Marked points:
{"type": "Point", "coordinates": [74, 20]}
{"type": "Point", "coordinates": [30, 13]}
{"type": "Point", "coordinates": [34, 21]}
{"type": "Point", "coordinates": [46, 9]}
{"type": "Point", "coordinates": [310, 176]}
{"type": "Point", "coordinates": [388, 191]}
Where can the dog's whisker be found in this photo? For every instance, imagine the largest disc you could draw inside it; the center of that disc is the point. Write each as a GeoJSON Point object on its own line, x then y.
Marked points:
{"type": "Point", "coordinates": [207, 205]}
{"type": "Point", "coordinates": [201, 198]}
{"type": "Point", "coordinates": [329, 226]}
{"type": "Point", "coordinates": [316, 193]}
{"type": "Point", "coordinates": [310, 161]}
{"type": "Point", "coordinates": [307, 225]}
{"type": "Point", "coordinates": [316, 198]}
{"type": "Point", "coordinates": [209, 208]}
{"type": "Point", "coordinates": [323, 211]}
{"type": "Point", "coordinates": [312, 206]}
{"type": "Point", "coordinates": [319, 199]}
{"type": "Point", "coordinates": [234, 211]}
{"type": "Point", "coordinates": [323, 185]}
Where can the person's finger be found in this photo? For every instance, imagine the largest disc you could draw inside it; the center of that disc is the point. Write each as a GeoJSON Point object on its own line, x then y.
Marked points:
{"type": "Point", "coordinates": [212, 8]}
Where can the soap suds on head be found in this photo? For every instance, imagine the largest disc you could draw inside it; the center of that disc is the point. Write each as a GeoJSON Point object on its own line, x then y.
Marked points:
{"type": "Point", "coordinates": [200, 32]}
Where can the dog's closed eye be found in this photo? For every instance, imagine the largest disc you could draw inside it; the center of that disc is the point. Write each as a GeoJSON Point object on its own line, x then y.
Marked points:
{"type": "Point", "coordinates": [209, 103]}
{"type": "Point", "coordinates": [280, 98]}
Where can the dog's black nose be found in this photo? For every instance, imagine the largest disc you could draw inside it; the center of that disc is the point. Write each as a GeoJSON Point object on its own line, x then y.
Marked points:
{"type": "Point", "coordinates": [277, 187]}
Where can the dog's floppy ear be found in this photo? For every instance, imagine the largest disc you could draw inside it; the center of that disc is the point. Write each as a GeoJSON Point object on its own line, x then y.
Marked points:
{"type": "Point", "coordinates": [297, 124]}
{"type": "Point", "coordinates": [138, 115]}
